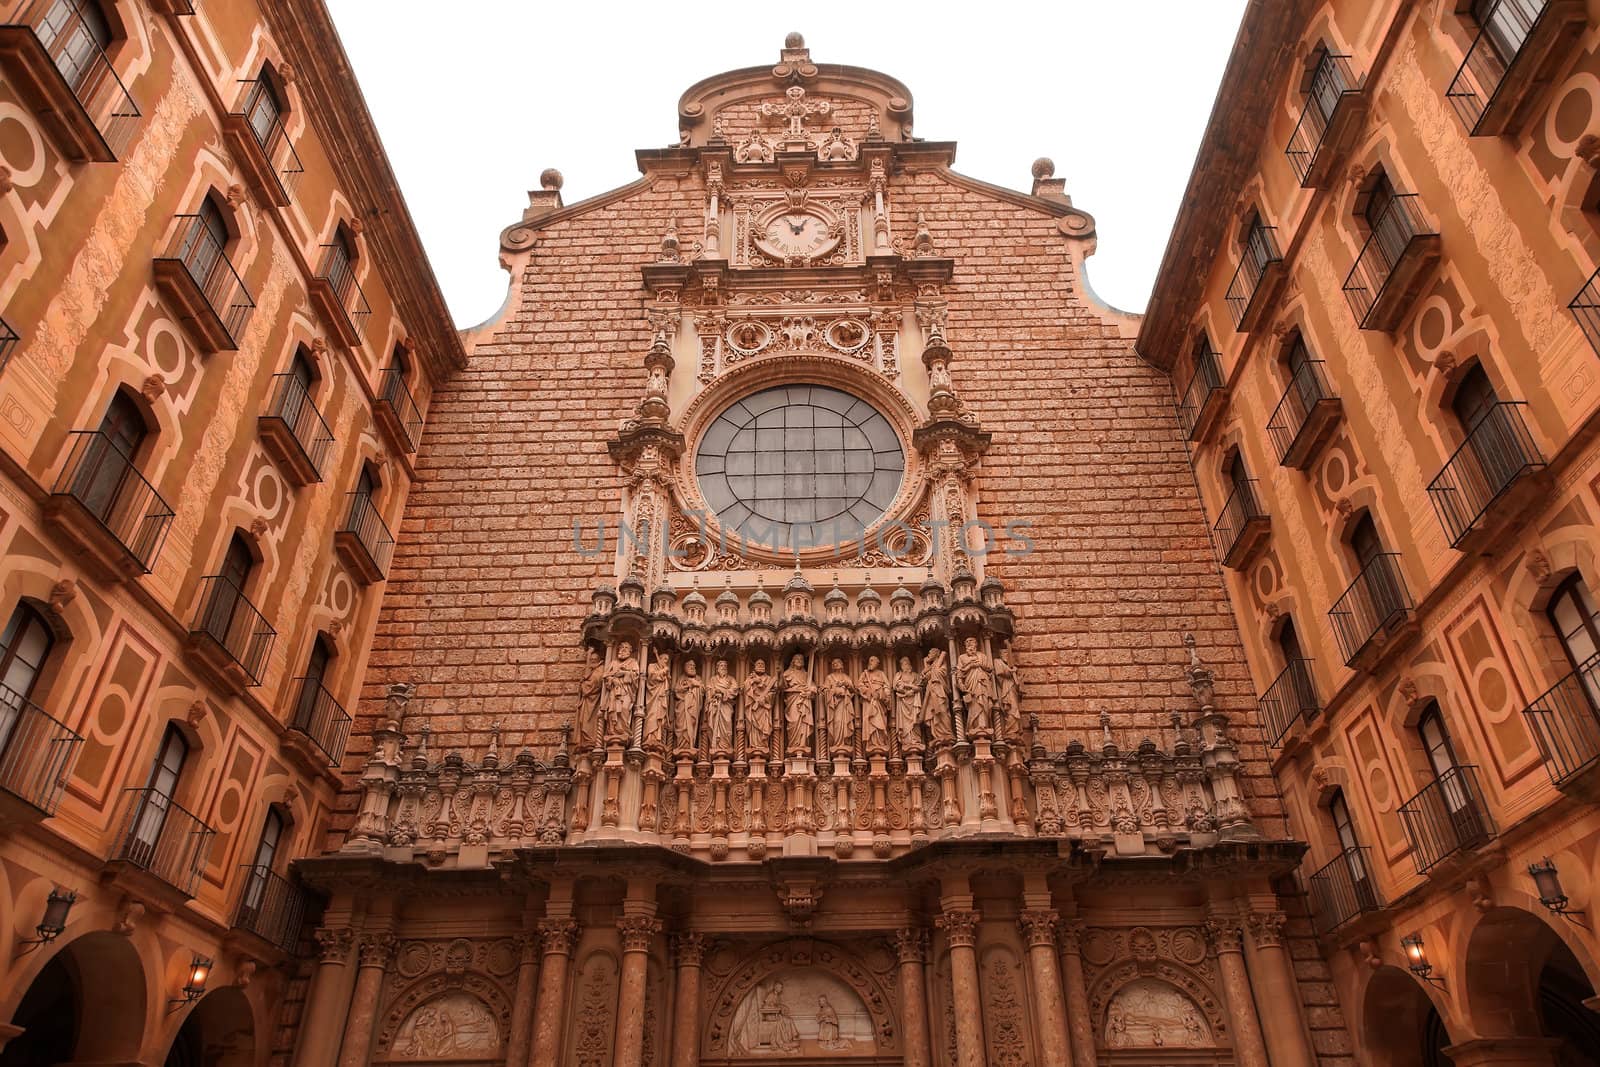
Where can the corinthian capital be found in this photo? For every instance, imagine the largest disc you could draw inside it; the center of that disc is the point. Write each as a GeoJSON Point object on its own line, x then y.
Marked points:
{"type": "Point", "coordinates": [1038, 927]}
{"type": "Point", "coordinates": [690, 949]}
{"type": "Point", "coordinates": [376, 949]}
{"type": "Point", "coordinates": [960, 927]}
{"type": "Point", "coordinates": [1266, 928]}
{"type": "Point", "coordinates": [333, 943]}
{"type": "Point", "coordinates": [911, 944]}
{"type": "Point", "coordinates": [558, 936]}
{"type": "Point", "coordinates": [638, 932]}
{"type": "Point", "coordinates": [1224, 935]}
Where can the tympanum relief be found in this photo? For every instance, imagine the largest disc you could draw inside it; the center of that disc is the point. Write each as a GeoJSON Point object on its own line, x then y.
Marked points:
{"type": "Point", "coordinates": [449, 1027]}
{"type": "Point", "coordinates": [801, 1014]}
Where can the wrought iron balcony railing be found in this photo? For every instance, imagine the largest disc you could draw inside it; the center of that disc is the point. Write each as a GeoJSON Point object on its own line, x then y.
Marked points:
{"type": "Point", "coordinates": [1448, 816]}
{"type": "Point", "coordinates": [1342, 889]}
{"type": "Point", "coordinates": [8, 343]}
{"type": "Point", "coordinates": [1246, 292]}
{"type": "Point", "coordinates": [1240, 524]}
{"type": "Point", "coordinates": [1585, 308]}
{"type": "Point", "coordinates": [272, 907]}
{"type": "Point", "coordinates": [103, 485]}
{"type": "Point", "coordinates": [1565, 721]}
{"type": "Point", "coordinates": [321, 719]}
{"type": "Point", "coordinates": [195, 272]}
{"type": "Point", "coordinates": [297, 429]}
{"type": "Point", "coordinates": [158, 835]}
{"type": "Point", "coordinates": [1498, 451]}
{"type": "Point", "coordinates": [402, 411]}
{"type": "Point", "coordinates": [1304, 411]}
{"type": "Point", "coordinates": [36, 752]}
{"type": "Point", "coordinates": [1514, 40]}
{"type": "Point", "coordinates": [54, 60]}
{"type": "Point", "coordinates": [1375, 602]}
{"type": "Point", "coordinates": [257, 125]}
{"type": "Point", "coordinates": [1333, 85]}
{"type": "Point", "coordinates": [363, 539]}
{"type": "Point", "coordinates": [346, 303]}
{"type": "Point", "coordinates": [1400, 245]}
{"type": "Point", "coordinates": [230, 624]}
{"type": "Point", "coordinates": [1290, 698]}
{"type": "Point", "coordinates": [1204, 388]}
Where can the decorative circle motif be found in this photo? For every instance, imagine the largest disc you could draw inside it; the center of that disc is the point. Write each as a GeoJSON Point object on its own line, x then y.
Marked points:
{"type": "Point", "coordinates": [799, 465]}
{"type": "Point", "coordinates": [848, 335]}
{"type": "Point", "coordinates": [413, 959]}
{"type": "Point", "coordinates": [749, 337]}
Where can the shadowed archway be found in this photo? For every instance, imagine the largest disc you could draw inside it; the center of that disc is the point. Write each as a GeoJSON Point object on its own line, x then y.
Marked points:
{"type": "Point", "coordinates": [87, 1005]}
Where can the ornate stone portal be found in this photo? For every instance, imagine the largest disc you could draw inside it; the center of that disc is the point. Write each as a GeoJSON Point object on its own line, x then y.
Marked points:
{"type": "Point", "coordinates": [808, 802]}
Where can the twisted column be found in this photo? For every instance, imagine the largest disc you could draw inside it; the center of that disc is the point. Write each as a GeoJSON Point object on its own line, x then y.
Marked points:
{"type": "Point", "coordinates": [689, 951]}
{"type": "Point", "coordinates": [1227, 944]}
{"type": "Point", "coordinates": [960, 926]}
{"type": "Point", "coordinates": [1050, 1017]}
{"type": "Point", "coordinates": [1277, 992]}
{"type": "Point", "coordinates": [638, 933]}
{"type": "Point", "coordinates": [557, 937]}
{"type": "Point", "coordinates": [374, 952]}
{"type": "Point", "coordinates": [911, 945]}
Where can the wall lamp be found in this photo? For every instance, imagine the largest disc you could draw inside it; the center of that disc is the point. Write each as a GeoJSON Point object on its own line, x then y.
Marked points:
{"type": "Point", "coordinates": [56, 909]}
{"type": "Point", "coordinates": [194, 987]}
{"type": "Point", "coordinates": [1417, 958]}
{"type": "Point", "coordinates": [1547, 880]}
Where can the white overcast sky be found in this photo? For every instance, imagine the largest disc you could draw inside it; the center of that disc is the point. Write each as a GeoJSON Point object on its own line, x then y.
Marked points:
{"type": "Point", "coordinates": [474, 98]}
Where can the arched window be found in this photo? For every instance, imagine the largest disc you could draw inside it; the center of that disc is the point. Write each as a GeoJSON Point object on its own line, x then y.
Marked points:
{"type": "Point", "coordinates": [205, 245]}
{"type": "Point", "coordinates": [1436, 742]}
{"type": "Point", "coordinates": [76, 33]}
{"type": "Point", "coordinates": [314, 685]}
{"type": "Point", "coordinates": [1256, 243]}
{"type": "Point", "coordinates": [402, 365]}
{"type": "Point", "coordinates": [103, 472]}
{"type": "Point", "coordinates": [1506, 24]}
{"type": "Point", "coordinates": [24, 646]}
{"type": "Point", "coordinates": [1289, 643]}
{"type": "Point", "coordinates": [1474, 398]}
{"type": "Point", "coordinates": [1365, 542]}
{"type": "Point", "coordinates": [1572, 612]}
{"type": "Point", "coordinates": [227, 591]}
{"type": "Point", "coordinates": [150, 817]}
{"type": "Point", "coordinates": [1239, 481]}
{"type": "Point", "coordinates": [339, 264]}
{"type": "Point", "coordinates": [264, 108]}
{"type": "Point", "coordinates": [1355, 864]}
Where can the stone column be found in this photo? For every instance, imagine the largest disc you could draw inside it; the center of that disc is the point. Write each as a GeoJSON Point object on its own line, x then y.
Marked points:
{"type": "Point", "coordinates": [638, 934]}
{"type": "Point", "coordinates": [323, 1023]}
{"type": "Point", "coordinates": [960, 926]}
{"type": "Point", "coordinates": [557, 936]}
{"type": "Point", "coordinates": [1049, 1015]}
{"type": "Point", "coordinates": [374, 952]}
{"type": "Point", "coordinates": [1277, 992]}
{"type": "Point", "coordinates": [912, 946]}
{"type": "Point", "coordinates": [1080, 1025]}
{"type": "Point", "coordinates": [1225, 937]}
{"type": "Point", "coordinates": [520, 1039]}
{"type": "Point", "coordinates": [688, 951]}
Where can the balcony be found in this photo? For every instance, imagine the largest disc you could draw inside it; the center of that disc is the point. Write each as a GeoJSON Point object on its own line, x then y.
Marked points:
{"type": "Point", "coordinates": [1203, 397]}
{"type": "Point", "coordinates": [1487, 480]}
{"type": "Point", "coordinates": [1242, 527]}
{"type": "Point", "coordinates": [159, 838]}
{"type": "Point", "coordinates": [294, 432]}
{"type": "Point", "coordinates": [1290, 698]}
{"type": "Point", "coordinates": [194, 273]}
{"type": "Point", "coordinates": [397, 411]}
{"type": "Point", "coordinates": [362, 541]}
{"type": "Point", "coordinates": [1566, 724]}
{"type": "Point", "coordinates": [1515, 54]}
{"type": "Point", "coordinates": [1585, 308]}
{"type": "Point", "coordinates": [271, 908]}
{"type": "Point", "coordinates": [1336, 104]}
{"type": "Point", "coordinates": [1343, 890]}
{"type": "Point", "coordinates": [1448, 817]}
{"type": "Point", "coordinates": [1394, 262]}
{"type": "Point", "coordinates": [262, 148]}
{"type": "Point", "coordinates": [1374, 617]}
{"type": "Point", "coordinates": [1259, 271]}
{"type": "Point", "coordinates": [61, 74]}
{"type": "Point", "coordinates": [36, 755]}
{"type": "Point", "coordinates": [1306, 414]}
{"type": "Point", "coordinates": [103, 505]}
{"type": "Point", "coordinates": [320, 722]}
{"type": "Point", "coordinates": [230, 637]}
{"type": "Point", "coordinates": [338, 296]}
{"type": "Point", "coordinates": [8, 343]}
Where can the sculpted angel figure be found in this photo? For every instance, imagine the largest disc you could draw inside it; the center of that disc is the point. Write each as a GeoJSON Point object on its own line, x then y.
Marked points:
{"type": "Point", "coordinates": [622, 692]}
{"type": "Point", "coordinates": [908, 706]}
{"type": "Point", "coordinates": [839, 698]}
{"type": "Point", "coordinates": [691, 694]}
{"type": "Point", "coordinates": [1008, 696]}
{"type": "Point", "coordinates": [873, 686]}
{"type": "Point", "coordinates": [760, 691]}
{"type": "Point", "coordinates": [721, 692]}
{"type": "Point", "coordinates": [936, 698]}
{"type": "Point", "coordinates": [590, 686]}
{"type": "Point", "coordinates": [976, 673]}
{"type": "Point", "coordinates": [657, 698]}
{"type": "Point", "coordinates": [799, 708]}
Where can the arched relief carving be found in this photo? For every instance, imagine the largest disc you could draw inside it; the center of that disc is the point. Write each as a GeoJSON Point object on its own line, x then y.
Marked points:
{"type": "Point", "coordinates": [444, 1016]}
{"type": "Point", "coordinates": [814, 967]}
{"type": "Point", "coordinates": [1153, 989]}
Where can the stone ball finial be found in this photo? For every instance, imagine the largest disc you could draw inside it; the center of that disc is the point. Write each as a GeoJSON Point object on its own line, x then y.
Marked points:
{"type": "Point", "coordinates": [794, 40]}
{"type": "Point", "coordinates": [1044, 167]}
{"type": "Point", "coordinates": [550, 178]}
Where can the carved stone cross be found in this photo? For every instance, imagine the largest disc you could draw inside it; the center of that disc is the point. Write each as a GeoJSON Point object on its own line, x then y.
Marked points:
{"type": "Point", "coordinates": [795, 108]}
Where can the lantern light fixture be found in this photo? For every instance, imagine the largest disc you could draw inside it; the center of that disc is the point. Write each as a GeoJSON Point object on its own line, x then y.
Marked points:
{"type": "Point", "coordinates": [1547, 881]}
{"type": "Point", "coordinates": [194, 985]}
{"type": "Point", "coordinates": [57, 906]}
{"type": "Point", "coordinates": [1417, 958]}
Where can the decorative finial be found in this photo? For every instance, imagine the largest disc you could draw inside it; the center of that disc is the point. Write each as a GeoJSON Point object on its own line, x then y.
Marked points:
{"type": "Point", "coordinates": [1044, 167]}
{"type": "Point", "coordinates": [493, 755]}
{"type": "Point", "coordinates": [794, 40]}
{"type": "Point", "coordinates": [550, 179]}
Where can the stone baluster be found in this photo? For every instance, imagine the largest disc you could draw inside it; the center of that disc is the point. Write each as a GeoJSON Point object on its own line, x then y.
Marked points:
{"type": "Point", "coordinates": [374, 951]}
{"type": "Point", "coordinates": [638, 934]}
{"type": "Point", "coordinates": [1222, 931]}
{"type": "Point", "coordinates": [960, 926]}
{"type": "Point", "coordinates": [323, 1023]}
{"type": "Point", "coordinates": [557, 936]}
{"type": "Point", "coordinates": [1050, 1018]}
{"type": "Point", "coordinates": [1277, 991]}
{"type": "Point", "coordinates": [1080, 1025]}
{"type": "Point", "coordinates": [911, 944]}
{"type": "Point", "coordinates": [688, 951]}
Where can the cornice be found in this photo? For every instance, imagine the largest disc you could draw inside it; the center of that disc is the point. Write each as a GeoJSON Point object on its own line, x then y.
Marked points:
{"type": "Point", "coordinates": [305, 31]}
{"type": "Point", "coordinates": [1057, 208]}
{"type": "Point", "coordinates": [519, 236]}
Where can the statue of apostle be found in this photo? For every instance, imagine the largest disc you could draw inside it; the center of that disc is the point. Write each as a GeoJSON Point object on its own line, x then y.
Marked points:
{"type": "Point", "coordinates": [908, 707]}
{"type": "Point", "coordinates": [976, 674]}
{"type": "Point", "coordinates": [839, 700]}
{"type": "Point", "coordinates": [721, 693]}
{"type": "Point", "coordinates": [622, 692]}
{"type": "Point", "coordinates": [936, 698]}
{"type": "Point", "coordinates": [1008, 697]}
{"type": "Point", "coordinates": [691, 694]}
{"type": "Point", "coordinates": [760, 691]}
{"type": "Point", "coordinates": [657, 698]}
{"type": "Point", "coordinates": [799, 708]}
{"type": "Point", "coordinates": [873, 685]}
{"type": "Point", "coordinates": [590, 686]}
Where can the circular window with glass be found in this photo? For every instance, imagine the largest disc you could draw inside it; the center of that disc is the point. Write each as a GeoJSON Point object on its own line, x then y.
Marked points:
{"type": "Point", "coordinates": [799, 465]}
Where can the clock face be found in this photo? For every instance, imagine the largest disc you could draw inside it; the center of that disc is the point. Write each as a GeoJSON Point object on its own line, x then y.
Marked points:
{"type": "Point", "coordinates": [798, 235]}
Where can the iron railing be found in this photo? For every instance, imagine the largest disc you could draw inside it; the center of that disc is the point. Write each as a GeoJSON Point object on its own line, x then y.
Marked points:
{"type": "Point", "coordinates": [361, 518]}
{"type": "Point", "coordinates": [207, 265]}
{"type": "Point", "coordinates": [8, 342]}
{"type": "Point", "coordinates": [228, 619]}
{"type": "Point", "coordinates": [292, 405]}
{"type": "Point", "coordinates": [1332, 79]}
{"type": "Point", "coordinates": [1308, 387]}
{"type": "Point", "coordinates": [1493, 52]}
{"type": "Point", "coordinates": [321, 719]}
{"type": "Point", "coordinates": [1260, 252]}
{"type": "Point", "coordinates": [1206, 380]}
{"type": "Point", "coordinates": [158, 835]}
{"type": "Point", "coordinates": [395, 393]}
{"type": "Point", "coordinates": [1585, 307]}
{"type": "Point", "coordinates": [1448, 816]}
{"type": "Point", "coordinates": [1343, 889]}
{"type": "Point", "coordinates": [1400, 224]}
{"type": "Point", "coordinates": [36, 751]}
{"type": "Point", "coordinates": [74, 48]}
{"type": "Point", "coordinates": [1376, 599]}
{"type": "Point", "coordinates": [339, 271]}
{"type": "Point", "coordinates": [1291, 697]}
{"type": "Point", "coordinates": [1498, 450]}
{"type": "Point", "coordinates": [274, 139]}
{"type": "Point", "coordinates": [1242, 506]}
{"type": "Point", "coordinates": [271, 907]}
{"type": "Point", "coordinates": [1566, 723]}
{"type": "Point", "coordinates": [106, 484]}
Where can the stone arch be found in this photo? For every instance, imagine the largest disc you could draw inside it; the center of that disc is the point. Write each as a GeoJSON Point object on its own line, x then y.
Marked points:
{"type": "Point", "coordinates": [1183, 979]}
{"type": "Point", "coordinates": [1501, 970]}
{"type": "Point", "coordinates": [88, 1003]}
{"type": "Point", "coordinates": [469, 997]}
{"type": "Point", "coordinates": [219, 1031]}
{"type": "Point", "coordinates": [1399, 1021]}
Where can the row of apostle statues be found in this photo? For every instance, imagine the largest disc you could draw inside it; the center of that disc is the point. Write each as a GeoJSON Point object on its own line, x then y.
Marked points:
{"type": "Point", "coordinates": [748, 707]}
